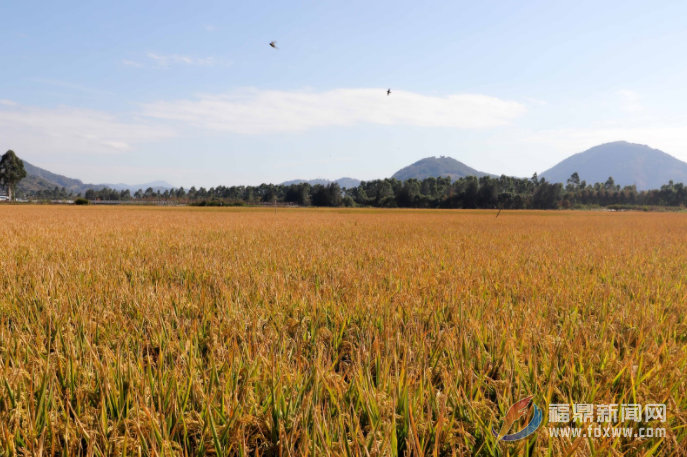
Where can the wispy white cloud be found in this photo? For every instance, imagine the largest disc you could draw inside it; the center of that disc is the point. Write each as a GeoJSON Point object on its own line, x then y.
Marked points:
{"type": "Point", "coordinates": [69, 85]}
{"type": "Point", "coordinates": [7, 103]}
{"type": "Point", "coordinates": [252, 111]}
{"type": "Point", "coordinates": [74, 130]}
{"type": "Point", "coordinates": [209, 27]}
{"type": "Point", "coordinates": [131, 63]}
{"type": "Point", "coordinates": [175, 59]}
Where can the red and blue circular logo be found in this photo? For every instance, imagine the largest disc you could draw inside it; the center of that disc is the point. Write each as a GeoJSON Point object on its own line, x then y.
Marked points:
{"type": "Point", "coordinates": [518, 411]}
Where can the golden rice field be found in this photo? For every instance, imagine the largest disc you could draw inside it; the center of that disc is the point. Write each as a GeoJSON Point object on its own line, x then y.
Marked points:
{"type": "Point", "coordinates": [189, 331]}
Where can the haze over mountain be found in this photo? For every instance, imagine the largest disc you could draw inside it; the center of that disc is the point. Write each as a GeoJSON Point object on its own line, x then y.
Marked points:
{"type": "Point", "coordinates": [40, 179]}
{"type": "Point", "coordinates": [436, 167]}
{"type": "Point", "coordinates": [48, 178]}
{"type": "Point", "coordinates": [627, 163]}
{"type": "Point", "coordinates": [342, 182]}
{"type": "Point", "coordinates": [156, 185]}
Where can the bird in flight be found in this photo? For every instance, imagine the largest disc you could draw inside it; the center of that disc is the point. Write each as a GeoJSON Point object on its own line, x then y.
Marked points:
{"type": "Point", "coordinates": [388, 92]}
{"type": "Point", "coordinates": [274, 44]}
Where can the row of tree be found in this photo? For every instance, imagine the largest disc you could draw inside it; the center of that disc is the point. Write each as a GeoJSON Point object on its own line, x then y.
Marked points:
{"type": "Point", "coordinates": [57, 193]}
{"type": "Point", "coordinates": [107, 194]}
{"type": "Point", "coordinates": [470, 192]}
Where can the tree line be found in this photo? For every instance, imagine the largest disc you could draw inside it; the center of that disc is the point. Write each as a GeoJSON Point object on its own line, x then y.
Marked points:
{"type": "Point", "coordinates": [471, 192]}
{"type": "Point", "coordinates": [504, 192]}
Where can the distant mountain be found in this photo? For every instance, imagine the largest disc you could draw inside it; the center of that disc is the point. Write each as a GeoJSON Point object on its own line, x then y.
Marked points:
{"type": "Point", "coordinates": [436, 167]}
{"type": "Point", "coordinates": [35, 183]}
{"type": "Point", "coordinates": [40, 179]}
{"type": "Point", "coordinates": [627, 163]}
{"type": "Point", "coordinates": [156, 185]}
{"type": "Point", "coordinates": [53, 178]}
{"type": "Point", "coordinates": [343, 182]}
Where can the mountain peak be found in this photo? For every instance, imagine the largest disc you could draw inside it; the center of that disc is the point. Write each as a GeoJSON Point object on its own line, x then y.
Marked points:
{"type": "Point", "coordinates": [434, 167]}
{"type": "Point", "coordinates": [628, 164]}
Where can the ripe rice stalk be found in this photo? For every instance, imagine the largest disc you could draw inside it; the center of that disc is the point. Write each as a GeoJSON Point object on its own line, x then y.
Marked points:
{"type": "Point", "coordinates": [232, 331]}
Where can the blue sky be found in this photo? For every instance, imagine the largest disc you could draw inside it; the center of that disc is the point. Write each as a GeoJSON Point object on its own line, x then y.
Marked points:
{"type": "Point", "coordinates": [191, 92]}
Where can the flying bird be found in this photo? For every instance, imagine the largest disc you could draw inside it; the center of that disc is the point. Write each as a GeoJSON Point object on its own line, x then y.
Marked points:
{"type": "Point", "coordinates": [274, 44]}
{"type": "Point", "coordinates": [388, 92]}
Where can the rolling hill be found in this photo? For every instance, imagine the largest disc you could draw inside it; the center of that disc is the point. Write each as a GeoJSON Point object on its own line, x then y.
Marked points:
{"type": "Point", "coordinates": [156, 185]}
{"type": "Point", "coordinates": [343, 182]}
{"type": "Point", "coordinates": [40, 179]}
{"type": "Point", "coordinates": [33, 183]}
{"type": "Point", "coordinates": [40, 176]}
{"type": "Point", "coordinates": [627, 163]}
{"type": "Point", "coordinates": [436, 167]}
